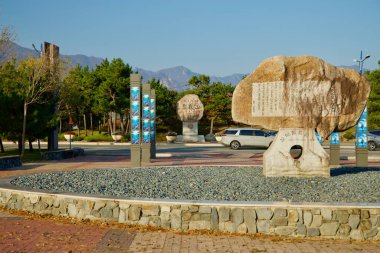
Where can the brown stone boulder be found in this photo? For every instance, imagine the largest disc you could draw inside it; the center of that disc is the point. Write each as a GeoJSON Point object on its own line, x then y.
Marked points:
{"type": "Point", "coordinates": [190, 108]}
{"type": "Point", "coordinates": [300, 92]}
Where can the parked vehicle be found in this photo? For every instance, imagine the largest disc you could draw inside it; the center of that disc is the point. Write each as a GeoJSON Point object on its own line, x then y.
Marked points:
{"type": "Point", "coordinates": [246, 137]}
{"type": "Point", "coordinates": [373, 139]}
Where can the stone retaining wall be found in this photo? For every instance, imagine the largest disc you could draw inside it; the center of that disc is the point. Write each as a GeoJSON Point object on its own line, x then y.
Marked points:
{"type": "Point", "coordinates": [62, 154]}
{"type": "Point", "coordinates": [8, 162]}
{"type": "Point", "coordinates": [338, 222]}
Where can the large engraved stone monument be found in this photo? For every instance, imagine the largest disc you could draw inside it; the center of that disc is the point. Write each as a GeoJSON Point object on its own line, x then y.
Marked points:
{"type": "Point", "coordinates": [297, 96]}
{"type": "Point", "coordinates": [190, 111]}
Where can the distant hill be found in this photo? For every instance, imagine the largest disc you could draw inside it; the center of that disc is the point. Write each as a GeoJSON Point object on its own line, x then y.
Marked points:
{"type": "Point", "coordinates": [176, 78]}
{"type": "Point", "coordinates": [356, 67]}
{"type": "Point", "coordinates": [83, 60]}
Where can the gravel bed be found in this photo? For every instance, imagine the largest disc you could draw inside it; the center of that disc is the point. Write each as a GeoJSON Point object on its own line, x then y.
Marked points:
{"type": "Point", "coordinates": [351, 185]}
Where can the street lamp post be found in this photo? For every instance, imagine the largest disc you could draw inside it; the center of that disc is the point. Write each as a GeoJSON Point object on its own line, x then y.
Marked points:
{"type": "Point", "coordinates": [361, 147]}
{"type": "Point", "coordinates": [361, 61]}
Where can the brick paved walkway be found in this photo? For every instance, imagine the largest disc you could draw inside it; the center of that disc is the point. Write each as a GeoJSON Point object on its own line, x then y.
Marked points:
{"type": "Point", "coordinates": [23, 233]}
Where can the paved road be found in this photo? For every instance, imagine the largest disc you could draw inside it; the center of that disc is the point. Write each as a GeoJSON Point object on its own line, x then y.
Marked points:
{"type": "Point", "coordinates": [347, 150]}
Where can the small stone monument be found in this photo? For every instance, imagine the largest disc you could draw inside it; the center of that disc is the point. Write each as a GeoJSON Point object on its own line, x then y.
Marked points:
{"type": "Point", "coordinates": [298, 96]}
{"type": "Point", "coordinates": [190, 111]}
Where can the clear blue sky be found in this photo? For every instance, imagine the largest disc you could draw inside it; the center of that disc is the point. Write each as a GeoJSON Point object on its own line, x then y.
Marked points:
{"type": "Point", "coordinates": [214, 37]}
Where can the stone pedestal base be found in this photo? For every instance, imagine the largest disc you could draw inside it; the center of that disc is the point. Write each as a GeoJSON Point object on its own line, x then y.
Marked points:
{"type": "Point", "coordinates": [145, 153]}
{"type": "Point", "coordinates": [201, 138]}
{"type": "Point", "coordinates": [334, 154]}
{"type": "Point", "coordinates": [190, 131]}
{"type": "Point", "coordinates": [361, 157]}
{"type": "Point", "coordinates": [135, 155]}
{"type": "Point", "coordinates": [313, 161]}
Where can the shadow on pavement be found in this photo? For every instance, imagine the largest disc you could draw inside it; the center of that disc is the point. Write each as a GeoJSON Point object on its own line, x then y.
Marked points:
{"type": "Point", "coordinates": [352, 170]}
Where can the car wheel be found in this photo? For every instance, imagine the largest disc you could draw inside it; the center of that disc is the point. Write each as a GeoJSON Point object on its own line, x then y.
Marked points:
{"type": "Point", "coordinates": [371, 146]}
{"type": "Point", "coordinates": [235, 145]}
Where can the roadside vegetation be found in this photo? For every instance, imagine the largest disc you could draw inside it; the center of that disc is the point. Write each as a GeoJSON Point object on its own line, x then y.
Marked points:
{"type": "Point", "coordinates": [96, 101]}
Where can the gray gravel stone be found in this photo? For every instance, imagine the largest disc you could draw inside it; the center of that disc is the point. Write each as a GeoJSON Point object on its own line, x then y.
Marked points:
{"type": "Point", "coordinates": [365, 225]}
{"type": "Point", "coordinates": [106, 213]}
{"type": "Point", "coordinates": [293, 216]}
{"type": "Point", "coordinates": [72, 210]}
{"type": "Point", "coordinates": [152, 210]}
{"type": "Point", "coordinates": [344, 230]}
{"type": "Point", "coordinates": [307, 218]}
{"type": "Point", "coordinates": [342, 216]}
{"type": "Point", "coordinates": [354, 221]}
{"type": "Point", "coordinates": [264, 213]}
{"type": "Point", "coordinates": [134, 213]}
{"type": "Point", "coordinates": [263, 226]}
{"type": "Point", "coordinates": [284, 230]}
{"type": "Point", "coordinates": [313, 232]}
{"type": "Point", "coordinates": [230, 227]}
{"type": "Point", "coordinates": [214, 219]}
{"type": "Point", "coordinates": [242, 229]}
{"type": "Point", "coordinates": [249, 215]}
{"type": "Point", "coordinates": [194, 225]}
{"type": "Point", "coordinates": [237, 215]}
{"type": "Point", "coordinates": [224, 214]}
{"type": "Point", "coordinates": [204, 209]}
{"type": "Point", "coordinates": [370, 233]}
{"type": "Point", "coordinates": [356, 234]}
{"type": "Point", "coordinates": [329, 229]}
{"type": "Point", "coordinates": [203, 183]}
{"type": "Point", "coordinates": [326, 214]}
{"type": "Point", "coordinates": [154, 221]}
{"type": "Point", "coordinates": [279, 221]}
{"type": "Point", "coordinates": [175, 217]}
{"type": "Point", "coordinates": [317, 221]}
{"type": "Point", "coordinates": [301, 229]}
{"type": "Point", "coordinates": [280, 212]}
{"type": "Point", "coordinates": [364, 214]}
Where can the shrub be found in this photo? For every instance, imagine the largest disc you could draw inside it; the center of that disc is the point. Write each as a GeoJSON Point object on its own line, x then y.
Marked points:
{"type": "Point", "coordinates": [98, 137]}
{"type": "Point", "coordinates": [79, 138]}
{"type": "Point", "coordinates": [349, 135]}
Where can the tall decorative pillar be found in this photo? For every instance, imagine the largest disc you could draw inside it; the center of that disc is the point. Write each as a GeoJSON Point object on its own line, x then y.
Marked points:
{"type": "Point", "coordinates": [135, 120]}
{"type": "Point", "coordinates": [152, 123]}
{"type": "Point", "coordinates": [145, 145]}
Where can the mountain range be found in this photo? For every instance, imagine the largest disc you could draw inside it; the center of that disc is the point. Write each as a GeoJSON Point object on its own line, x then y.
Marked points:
{"type": "Point", "coordinates": [174, 78]}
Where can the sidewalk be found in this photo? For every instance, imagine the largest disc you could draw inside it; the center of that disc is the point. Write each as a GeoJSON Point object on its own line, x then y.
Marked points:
{"type": "Point", "coordinates": [30, 233]}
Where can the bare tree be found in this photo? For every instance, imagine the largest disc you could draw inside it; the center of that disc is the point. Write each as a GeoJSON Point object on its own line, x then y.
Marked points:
{"type": "Point", "coordinates": [37, 79]}
{"type": "Point", "coordinates": [7, 37]}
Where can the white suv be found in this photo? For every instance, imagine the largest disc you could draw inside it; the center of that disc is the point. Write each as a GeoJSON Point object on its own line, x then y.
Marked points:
{"type": "Point", "coordinates": [244, 137]}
